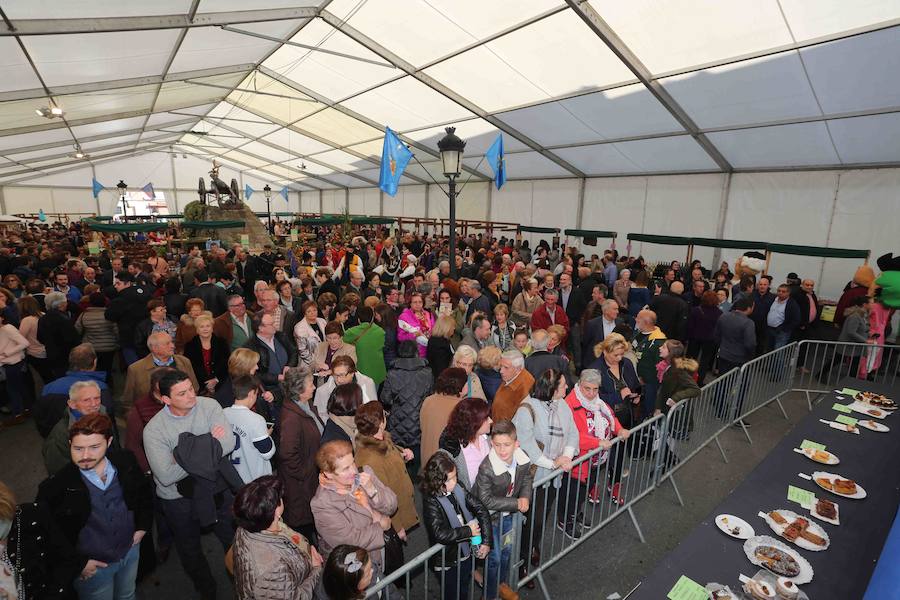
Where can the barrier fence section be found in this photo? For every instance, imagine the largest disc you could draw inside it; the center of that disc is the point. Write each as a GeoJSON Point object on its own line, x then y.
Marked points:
{"type": "Point", "coordinates": [695, 422]}
{"type": "Point", "coordinates": [823, 364]}
{"type": "Point", "coordinates": [566, 509]}
{"type": "Point", "coordinates": [763, 380]}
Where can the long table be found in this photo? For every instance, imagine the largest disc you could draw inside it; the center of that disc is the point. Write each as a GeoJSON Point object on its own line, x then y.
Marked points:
{"type": "Point", "coordinates": [872, 459]}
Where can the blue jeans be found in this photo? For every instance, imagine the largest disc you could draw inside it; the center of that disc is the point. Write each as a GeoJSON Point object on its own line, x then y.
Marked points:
{"type": "Point", "coordinates": [497, 571]}
{"type": "Point", "coordinates": [114, 582]}
{"type": "Point", "coordinates": [779, 338]}
{"type": "Point", "coordinates": [15, 387]}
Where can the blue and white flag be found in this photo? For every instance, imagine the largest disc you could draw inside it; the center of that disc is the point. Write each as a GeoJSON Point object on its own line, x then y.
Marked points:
{"type": "Point", "coordinates": [97, 186]}
{"type": "Point", "coordinates": [497, 161]}
{"type": "Point", "coordinates": [41, 216]}
{"type": "Point", "coordinates": [394, 158]}
{"type": "Point", "coordinates": [248, 191]}
{"type": "Point", "coordinates": [149, 191]}
{"type": "Point", "coordinates": [284, 193]}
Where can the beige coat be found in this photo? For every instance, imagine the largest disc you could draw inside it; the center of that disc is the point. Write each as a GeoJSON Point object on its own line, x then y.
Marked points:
{"type": "Point", "coordinates": [387, 463]}
{"type": "Point", "coordinates": [137, 381]}
{"type": "Point", "coordinates": [522, 308]}
{"type": "Point", "coordinates": [433, 417]}
{"type": "Point", "coordinates": [322, 349]}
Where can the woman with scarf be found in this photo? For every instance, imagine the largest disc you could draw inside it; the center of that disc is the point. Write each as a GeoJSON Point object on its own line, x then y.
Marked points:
{"type": "Point", "coordinates": [465, 358]}
{"type": "Point", "coordinates": [309, 332]}
{"type": "Point", "coordinates": [351, 506]}
{"type": "Point", "coordinates": [598, 427]}
{"type": "Point", "coordinates": [456, 518]}
{"type": "Point", "coordinates": [416, 323]}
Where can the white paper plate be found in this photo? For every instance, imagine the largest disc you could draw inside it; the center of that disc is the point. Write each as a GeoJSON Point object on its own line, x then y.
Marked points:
{"type": "Point", "coordinates": [790, 516]}
{"type": "Point", "coordinates": [835, 521]}
{"type": "Point", "coordinates": [860, 492]}
{"type": "Point", "coordinates": [810, 453]}
{"type": "Point", "coordinates": [868, 410]}
{"type": "Point", "coordinates": [806, 571]}
{"type": "Point", "coordinates": [767, 577]}
{"type": "Point", "coordinates": [841, 426]}
{"type": "Point", "coordinates": [726, 523]}
{"type": "Point", "coordinates": [873, 425]}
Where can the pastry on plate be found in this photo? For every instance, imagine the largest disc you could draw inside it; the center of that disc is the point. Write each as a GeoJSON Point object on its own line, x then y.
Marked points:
{"type": "Point", "coordinates": [759, 589]}
{"type": "Point", "coordinates": [786, 589]}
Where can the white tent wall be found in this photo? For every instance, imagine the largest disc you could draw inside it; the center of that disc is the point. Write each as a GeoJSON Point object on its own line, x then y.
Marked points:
{"type": "Point", "coordinates": [309, 202]}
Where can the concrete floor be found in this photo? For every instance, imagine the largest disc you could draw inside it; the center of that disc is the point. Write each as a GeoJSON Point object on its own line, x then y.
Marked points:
{"type": "Point", "coordinates": [612, 561]}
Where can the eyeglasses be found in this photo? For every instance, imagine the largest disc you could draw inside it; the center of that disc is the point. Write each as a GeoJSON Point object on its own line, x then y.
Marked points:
{"type": "Point", "coordinates": [235, 304]}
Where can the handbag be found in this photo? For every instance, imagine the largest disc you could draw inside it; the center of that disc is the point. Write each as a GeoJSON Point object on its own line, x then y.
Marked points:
{"type": "Point", "coordinates": [393, 551]}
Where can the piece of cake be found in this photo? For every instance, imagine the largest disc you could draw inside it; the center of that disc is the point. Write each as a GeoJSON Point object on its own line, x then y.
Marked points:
{"type": "Point", "coordinates": [786, 589]}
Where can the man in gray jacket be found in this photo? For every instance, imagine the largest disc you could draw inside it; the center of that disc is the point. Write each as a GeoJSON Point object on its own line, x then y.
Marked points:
{"type": "Point", "coordinates": [735, 334]}
{"type": "Point", "coordinates": [185, 412]}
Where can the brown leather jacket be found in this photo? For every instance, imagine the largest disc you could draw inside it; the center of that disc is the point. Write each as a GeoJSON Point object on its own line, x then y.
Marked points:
{"type": "Point", "coordinates": [268, 566]}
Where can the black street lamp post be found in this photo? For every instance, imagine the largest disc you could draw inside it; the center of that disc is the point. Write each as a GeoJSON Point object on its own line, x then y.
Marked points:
{"type": "Point", "coordinates": [451, 148]}
{"type": "Point", "coordinates": [268, 193]}
{"type": "Point", "coordinates": [123, 187]}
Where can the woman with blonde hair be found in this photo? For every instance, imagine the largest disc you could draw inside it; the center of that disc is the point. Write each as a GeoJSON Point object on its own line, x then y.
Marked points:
{"type": "Point", "coordinates": [241, 363]}
{"type": "Point", "coordinates": [465, 358]}
{"type": "Point", "coordinates": [185, 330]}
{"type": "Point", "coordinates": [620, 387]}
{"type": "Point", "coordinates": [208, 354]}
{"type": "Point", "coordinates": [439, 352]}
{"type": "Point", "coordinates": [488, 371]}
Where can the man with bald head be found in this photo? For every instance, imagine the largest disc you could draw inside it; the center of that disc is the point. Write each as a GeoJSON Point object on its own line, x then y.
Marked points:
{"type": "Point", "coordinates": [162, 354]}
{"type": "Point", "coordinates": [672, 312]}
{"type": "Point", "coordinates": [806, 299]}
{"type": "Point", "coordinates": [648, 339]}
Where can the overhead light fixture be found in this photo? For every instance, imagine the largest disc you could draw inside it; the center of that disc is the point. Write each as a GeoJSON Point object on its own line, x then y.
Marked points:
{"type": "Point", "coordinates": [303, 166]}
{"type": "Point", "coordinates": [52, 111]}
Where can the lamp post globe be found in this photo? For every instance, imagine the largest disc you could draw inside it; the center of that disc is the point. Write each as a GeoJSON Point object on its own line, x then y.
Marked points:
{"type": "Point", "coordinates": [451, 148]}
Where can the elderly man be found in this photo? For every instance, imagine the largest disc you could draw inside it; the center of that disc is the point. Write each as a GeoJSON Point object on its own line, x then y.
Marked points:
{"type": "Point", "coordinates": [277, 353]}
{"type": "Point", "coordinates": [185, 412]}
{"type": "Point", "coordinates": [516, 385]}
{"type": "Point", "coordinates": [283, 319]}
{"type": "Point", "coordinates": [806, 299]}
{"type": "Point", "coordinates": [84, 399]}
{"type": "Point", "coordinates": [540, 359]}
{"type": "Point", "coordinates": [89, 278]}
{"type": "Point", "coordinates": [648, 339]}
{"type": "Point", "coordinates": [549, 313]}
{"type": "Point", "coordinates": [479, 336]}
{"type": "Point", "coordinates": [783, 318]}
{"type": "Point", "coordinates": [343, 370]}
{"type": "Point", "coordinates": [672, 312]}
{"type": "Point", "coordinates": [50, 408]}
{"type": "Point", "coordinates": [162, 354]}
{"type": "Point", "coordinates": [477, 301]}
{"type": "Point", "coordinates": [99, 505]}
{"type": "Point", "coordinates": [57, 333]}
{"type": "Point", "coordinates": [356, 283]}
{"type": "Point", "coordinates": [236, 325]}
{"type": "Point", "coordinates": [598, 328]}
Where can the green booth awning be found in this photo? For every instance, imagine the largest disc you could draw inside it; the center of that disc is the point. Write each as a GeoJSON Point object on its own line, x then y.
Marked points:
{"type": "Point", "coordinates": [530, 229]}
{"type": "Point", "coordinates": [372, 220]}
{"type": "Point", "coordinates": [817, 251]}
{"type": "Point", "coordinates": [124, 227]}
{"type": "Point", "coordinates": [213, 224]}
{"type": "Point", "coordinates": [734, 244]}
{"type": "Point", "coordinates": [666, 240]}
{"type": "Point", "coordinates": [319, 221]}
{"type": "Point", "coordinates": [98, 218]}
{"type": "Point", "coordinates": [590, 233]}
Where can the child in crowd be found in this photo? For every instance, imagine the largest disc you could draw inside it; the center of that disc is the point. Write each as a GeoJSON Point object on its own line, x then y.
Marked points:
{"type": "Point", "coordinates": [348, 572]}
{"type": "Point", "coordinates": [504, 487]}
{"type": "Point", "coordinates": [253, 444]}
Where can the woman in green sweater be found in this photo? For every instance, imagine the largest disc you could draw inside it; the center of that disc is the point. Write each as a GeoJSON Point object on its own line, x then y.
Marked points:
{"type": "Point", "coordinates": [368, 338]}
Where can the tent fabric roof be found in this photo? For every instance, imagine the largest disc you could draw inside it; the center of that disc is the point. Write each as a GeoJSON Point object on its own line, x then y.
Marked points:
{"type": "Point", "coordinates": [299, 93]}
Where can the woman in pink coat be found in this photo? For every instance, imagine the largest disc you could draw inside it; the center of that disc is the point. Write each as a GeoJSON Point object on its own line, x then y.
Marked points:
{"type": "Point", "coordinates": [415, 323]}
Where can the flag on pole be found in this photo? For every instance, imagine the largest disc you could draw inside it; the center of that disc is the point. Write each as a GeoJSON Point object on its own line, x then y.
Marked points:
{"type": "Point", "coordinates": [41, 216]}
{"type": "Point", "coordinates": [284, 193]}
{"type": "Point", "coordinates": [149, 191]}
{"type": "Point", "coordinates": [97, 186]}
{"type": "Point", "coordinates": [394, 158]}
{"type": "Point", "coordinates": [248, 191]}
{"type": "Point", "coordinates": [495, 158]}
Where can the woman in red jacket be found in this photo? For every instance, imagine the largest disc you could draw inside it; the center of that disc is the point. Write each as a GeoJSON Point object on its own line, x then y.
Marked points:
{"type": "Point", "coordinates": [598, 427]}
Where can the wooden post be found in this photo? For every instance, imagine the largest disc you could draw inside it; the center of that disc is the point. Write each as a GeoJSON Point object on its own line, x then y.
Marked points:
{"type": "Point", "coordinates": [768, 259]}
{"type": "Point", "coordinates": [868, 254]}
{"type": "Point", "coordinates": [690, 255]}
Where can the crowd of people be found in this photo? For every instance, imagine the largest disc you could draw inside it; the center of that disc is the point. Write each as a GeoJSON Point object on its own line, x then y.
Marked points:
{"type": "Point", "coordinates": [290, 402]}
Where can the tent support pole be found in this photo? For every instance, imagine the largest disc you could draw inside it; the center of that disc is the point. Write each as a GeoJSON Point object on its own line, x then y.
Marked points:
{"type": "Point", "coordinates": [321, 205]}
{"type": "Point", "coordinates": [174, 183]}
{"type": "Point", "coordinates": [768, 260]}
{"type": "Point", "coordinates": [837, 186]}
{"type": "Point", "coordinates": [579, 215]}
{"type": "Point", "coordinates": [723, 213]}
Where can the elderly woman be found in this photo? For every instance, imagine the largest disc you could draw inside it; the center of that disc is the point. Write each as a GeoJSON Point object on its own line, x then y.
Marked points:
{"type": "Point", "coordinates": [342, 405]}
{"type": "Point", "coordinates": [620, 387]}
{"type": "Point", "coordinates": [503, 330]}
{"type": "Point", "coordinates": [376, 449]}
{"type": "Point", "coordinates": [597, 427]}
{"type": "Point", "coordinates": [351, 506]}
{"type": "Point", "coordinates": [436, 409]}
{"type": "Point", "coordinates": [158, 321]}
{"type": "Point", "coordinates": [439, 352]}
{"type": "Point", "coordinates": [526, 303]}
{"type": "Point", "coordinates": [185, 329]}
{"type": "Point", "coordinates": [334, 346]}
{"type": "Point", "coordinates": [270, 560]}
{"type": "Point", "coordinates": [286, 299]}
{"type": "Point", "coordinates": [326, 303]}
{"type": "Point", "coordinates": [208, 354]}
{"type": "Point", "coordinates": [465, 438]}
{"type": "Point", "coordinates": [548, 435]}
{"type": "Point", "coordinates": [621, 287]}
{"type": "Point", "coordinates": [298, 442]}
{"type": "Point", "coordinates": [488, 371]}
{"type": "Point", "coordinates": [309, 332]}
{"type": "Point", "coordinates": [465, 358]}
{"type": "Point", "coordinates": [416, 323]}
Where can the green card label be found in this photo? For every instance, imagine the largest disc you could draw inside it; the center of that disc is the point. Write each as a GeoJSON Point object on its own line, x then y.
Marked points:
{"type": "Point", "coordinates": [801, 496]}
{"type": "Point", "coordinates": [842, 408]}
{"type": "Point", "coordinates": [687, 589]}
{"type": "Point", "coordinates": [813, 445]}
{"type": "Point", "coordinates": [846, 420]}
{"type": "Point", "coordinates": [849, 392]}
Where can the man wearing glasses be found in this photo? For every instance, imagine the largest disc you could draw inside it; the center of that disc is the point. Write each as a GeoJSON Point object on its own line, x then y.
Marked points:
{"type": "Point", "coordinates": [236, 325]}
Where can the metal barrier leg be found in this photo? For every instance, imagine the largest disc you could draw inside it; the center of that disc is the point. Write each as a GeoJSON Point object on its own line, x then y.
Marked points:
{"type": "Point", "coordinates": [675, 487]}
{"type": "Point", "coordinates": [746, 433]}
{"type": "Point", "coordinates": [721, 450]}
{"type": "Point", "coordinates": [781, 406]}
{"type": "Point", "coordinates": [544, 590]}
{"type": "Point", "coordinates": [634, 521]}
{"type": "Point", "coordinates": [808, 401]}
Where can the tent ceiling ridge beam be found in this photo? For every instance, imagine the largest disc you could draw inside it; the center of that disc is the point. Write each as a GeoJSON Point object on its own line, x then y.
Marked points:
{"type": "Point", "coordinates": [307, 47]}
{"type": "Point", "coordinates": [434, 84]}
{"type": "Point", "coordinates": [28, 27]}
{"type": "Point", "coordinates": [100, 86]}
{"type": "Point", "coordinates": [247, 90]}
{"type": "Point", "coordinates": [359, 117]}
{"type": "Point", "coordinates": [609, 37]}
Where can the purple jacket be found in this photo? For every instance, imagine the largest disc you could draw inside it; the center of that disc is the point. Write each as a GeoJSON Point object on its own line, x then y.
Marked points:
{"type": "Point", "coordinates": [702, 323]}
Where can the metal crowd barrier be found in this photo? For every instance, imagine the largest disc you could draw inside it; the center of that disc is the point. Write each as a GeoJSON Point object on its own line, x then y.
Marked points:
{"type": "Point", "coordinates": [693, 423]}
{"type": "Point", "coordinates": [560, 499]}
{"type": "Point", "coordinates": [823, 364]}
{"type": "Point", "coordinates": [763, 380]}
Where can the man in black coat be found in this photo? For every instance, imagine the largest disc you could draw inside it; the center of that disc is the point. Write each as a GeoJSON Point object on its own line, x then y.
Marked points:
{"type": "Point", "coordinates": [598, 328]}
{"type": "Point", "coordinates": [127, 309]}
{"type": "Point", "coordinates": [672, 312]}
{"type": "Point", "coordinates": [806, 299]}
{"type": "Point", "coordinates": [762, 302]}
{"type": "Point", "coordinates": [214, 297]}
{"type": "Point", "coordinates": [574, 303]}
{"type": "Point", "coordinates": [57, 333]}
{"type": "Point", "coordinates": [540, 360]}
{"type": "Point", "coordinates": [95, 512]}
